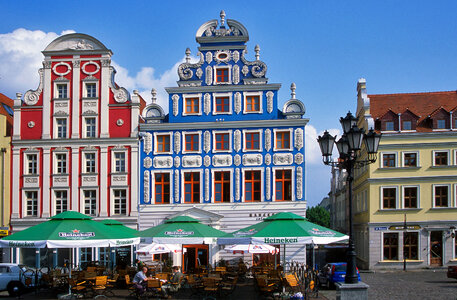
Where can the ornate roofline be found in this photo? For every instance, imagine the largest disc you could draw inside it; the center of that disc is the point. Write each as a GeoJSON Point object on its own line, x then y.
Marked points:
{"type": "Point", "coordinates": [75, 43]}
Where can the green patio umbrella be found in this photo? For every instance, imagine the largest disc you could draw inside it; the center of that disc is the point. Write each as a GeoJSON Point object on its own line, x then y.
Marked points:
{"type": "Point", "coordinates": [119, 226]}
{"type": "Point", "coordinates": [68, 230]}
{"type": "Point", "coordinates": [181, 230]}
{"type": "Point", "coordinates": [283, 228]}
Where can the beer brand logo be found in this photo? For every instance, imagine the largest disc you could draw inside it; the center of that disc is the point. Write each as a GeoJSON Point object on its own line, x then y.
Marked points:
{"type": "Point", "coordinates": [246, 233]}
{"type": "Point", "coordinates": [179, 232]}
{"type": "Point", "coordinates": [76, 234]}
{"type": "Point", "coordinates": [316, 231]}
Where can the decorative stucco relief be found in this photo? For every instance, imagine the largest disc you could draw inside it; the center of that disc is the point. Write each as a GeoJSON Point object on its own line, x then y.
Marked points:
{"type": "Point", "coordinates": [237, 102]}
{"type": "Point", "coordinates": [146, 181]}
{"type": "Point", "coordinates": [199, 73]}
{"type": "Point", "coordinates": [245, 70]}
{"type": "Point", "coordinates": [258, 69]}
{"type": "Point", "coordinates": [236, 56]}
{"type": "Point", "coordinates": [207, 103]}
{"type": "Point", "coordinates": [236, 74]}
{"type": "Point", "coordinates": [267, 183]}
{"type": "Point", "coordinates": [147, 162]}
{"type": "Point", "coordinates": [237, 138]}
{"type": "Point", "coordinates": [176, 185]}
{"type": "Point", "coordinates": [298, 158]}
{"type": "Point", "coordinates": [298, 133]}
{"type": "Point", "coordinates": [237, 184]}
{"type": "Point", "coordinates": [267, 139]}
{"type": "Point", "coordinates": [269, 101]}
{"type": "Point", "coordinates": [206, 141]}
{"type": "Point", "coordinates": [268, 159]}
{"type": "Point", "coordinates": [31, 97]}
{"type": "Point", "coordinates": [209, 75]}
{"type": "Point", "coordinates": [207, 161]}
{"type": "Point", "coordinates": [177, 140]}
{"type": "Point", "coordinates": [209, 57]}
{"type": "Point", "coordinates": [177, 161]}
{"type": "Point", "coordinates": [222, 160]}
{"type": "Point", "coordinates": [283, 158]}
{"type": "Point", "coordinates": [147, 143]}
{"type": "Point", "coordinates": [207, 185]}
{"type": "Point", "coordinates": [175, 99]}
{"type": "Point", "coordinates": [252, 159]}
{"type": "Point", "coordinates": [192, 161]}
{"type": "Point", "coordinates": [237, 160]}
{"type": "Point", "coordinates": [163, 162]}
{"type": "Point", "coordinates": [299, 191]}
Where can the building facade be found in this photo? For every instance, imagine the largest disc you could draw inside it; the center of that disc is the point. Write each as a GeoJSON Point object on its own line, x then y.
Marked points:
{"type": "Point", "coordinates": [6, 132]}
{"type": "Point", "coordinates": [225, 153]}
{"type": "Point", "coordinates": [75, 141]}
{"type": "Point", "coordinates": [405, 204]}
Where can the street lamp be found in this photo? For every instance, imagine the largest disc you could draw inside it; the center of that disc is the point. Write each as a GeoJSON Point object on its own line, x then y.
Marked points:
{"type": "Point", "coordinates": [349, 146]}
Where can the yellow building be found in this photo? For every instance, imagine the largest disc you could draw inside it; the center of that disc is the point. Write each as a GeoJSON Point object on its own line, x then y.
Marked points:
{"type": "Point", "coordinates": [413, 179]}
{"type": "Point", "coordinates": [6, 130]}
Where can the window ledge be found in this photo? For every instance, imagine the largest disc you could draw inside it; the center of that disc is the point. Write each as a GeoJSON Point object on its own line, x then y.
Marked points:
{"type": "Point", "coordinates": [400, 261]}
{"type": "Point", "coordinates": [399, 168]}
{"type": "Point", "coordinates": [440, 208]}
{"type": "Point", "coordinates": [444, 167]}
{"type": "Point", "coordinates": [400, 209]}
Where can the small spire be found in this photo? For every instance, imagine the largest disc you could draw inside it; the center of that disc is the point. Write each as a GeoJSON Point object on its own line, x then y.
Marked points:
{"type": "Point", "coordinates": [154, 94]}
{"type": "Point", "coordinates": [292, 89]}
{"type": "Point", "coordinates": [187, 55]}
{"type": "Point", "coordinates": [222, 18]}
{"type": "Point", "coordinates": [257, 52]}
{"type": "Point", "coordinates": [18, 96]}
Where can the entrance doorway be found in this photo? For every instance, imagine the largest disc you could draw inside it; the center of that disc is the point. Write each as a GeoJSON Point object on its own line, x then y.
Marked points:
{"type": "Point", "coordinates": [194, 256]}
{"type": "Point", "coordinates": [436, 248]}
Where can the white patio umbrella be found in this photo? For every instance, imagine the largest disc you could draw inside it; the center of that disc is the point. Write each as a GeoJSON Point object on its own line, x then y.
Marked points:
{"type": "Point", "coordinates": [156, 248]}
{"type": "Point", "coordinates": [251, 248]}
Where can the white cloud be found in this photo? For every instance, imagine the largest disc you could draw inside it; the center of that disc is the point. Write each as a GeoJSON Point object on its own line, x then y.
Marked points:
{"type": "Point", "coordinates": [313, 152]}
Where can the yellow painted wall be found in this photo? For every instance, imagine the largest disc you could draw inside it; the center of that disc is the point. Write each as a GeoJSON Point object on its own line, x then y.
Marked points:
{"type": "Point", "coordinates": [5, 162]}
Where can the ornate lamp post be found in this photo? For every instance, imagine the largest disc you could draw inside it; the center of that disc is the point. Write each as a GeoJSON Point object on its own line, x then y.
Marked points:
{"type": "Point", "coordinates": [349, 146]}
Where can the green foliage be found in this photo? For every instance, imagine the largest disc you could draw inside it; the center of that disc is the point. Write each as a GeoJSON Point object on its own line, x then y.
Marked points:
{"type": "Point", "coordinates": [318, 215]}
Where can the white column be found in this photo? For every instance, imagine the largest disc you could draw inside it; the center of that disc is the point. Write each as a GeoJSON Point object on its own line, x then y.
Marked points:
{"type": "Point", "coordinates": [47, 87]}
{"type": "Point", "coordinates": [134, 181]}
{"type": "Point", "coordinates": [47, 171]}
{"type": "Point", "coordinates": [135, 112]}
{"type": "Point", "coordinates": [104, 98]}
{"type": "Point", "coordinates": [17, 117]}
{"type": "Point", "coordinates": [75, 179]}
{"type": "Point", "coordinates": [75, 99]}
{"type": "Point", "coordinates": [104, 181]}
{"type": "Point", "coordinates": [15, 193]}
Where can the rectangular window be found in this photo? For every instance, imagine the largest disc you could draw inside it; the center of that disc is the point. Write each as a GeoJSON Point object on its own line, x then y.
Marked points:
{"type": "Point", "coordinates": [283, 185]}
{"type": "Point", "coordinates": [252, 103]}
{"type": "Point", "coordinates": [162, 188]}
{"type": "Point", "coordinates": [192, 105]}
{"type": "Point", "coordinates": [61, 162]}
{"type": "Point", "coordinates": [389, 198]}
{"type": "Point", "coordinates": [61, 201]}
{"type": "Point", "coordinates": [389, 126]}
{"type": "Point", "coordinates": [222, 187]}
{"type": "Point", "coordinates": [222, 104]}
{"type": "Point", "coordinates": [410, 197]}
{"type": "Point", "coordinates": [410, 245]}
{"type": "Point", "coordinates": [192, 187]}
{"type": "Point", "coordinates": [119, 158]}
{"type": "Point", "coordinates": [410, 159]}
{"type": "Point", "coordinates": [283, 140]}
{"type": "Point", "coordinates": [388, 160]}
{"type": "Point", "coordinates": [440, 158]}
{"type": "Point", "coordinates": [390, 245]}
{"type": "Point", "coordinates": [90, 202]}
{"type": "Point", "coordinates": [441, 196]}
{"type": "Point", "coordinates": [252, 140]}
{"type": "Point", "coordinates": [91, 90]}
{"type": "Point", "coordinates": [31, 198]}
{"type": "Point", "coordinates": [252, 184]}
{"type": "Point", "coordinates": [191, 142]}
{"type": "Point", "coordinates": [90, 162]}
{"type": "Point", "coordinates": [120, 202]}
{"type": "Point", "coordinates": [32, 164]}
{"type": "Point", "coordinates": [91, 128]}
{"type": "Point", "coordinates": [441, 124]}
{"type": "Point", "coordinates": [222, 75]}
{"type": "Point", "coordinates": [222, 141]}
{"type": "Point", "coordinates": [406, 125]}
{"type": "Point", "coordinates": [86, 255]}
{"type": "Point", "coordinates": [163, 143]}
{"type": "Point", "coordinates": [62, 91]}
{"type": "Point", "coordinates": [61, 124]}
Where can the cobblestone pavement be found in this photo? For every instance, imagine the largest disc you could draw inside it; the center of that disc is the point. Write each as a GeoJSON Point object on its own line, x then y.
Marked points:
{"type": "Point", "coordinates": [413, 284]}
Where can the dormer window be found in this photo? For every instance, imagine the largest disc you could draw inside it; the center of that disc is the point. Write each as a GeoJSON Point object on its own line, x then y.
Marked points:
{"type": "Point", "coordinates": [390, 126]}
{"type": "Point", "coordinates": [406, 125]}
{"type": "Point", "coordinates": [222, 74]}
{"type": "Point", "coordinates": [441, 124]}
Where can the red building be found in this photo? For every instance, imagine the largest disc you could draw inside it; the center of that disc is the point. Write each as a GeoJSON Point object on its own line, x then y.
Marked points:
{"type": "Point", "coordinates": [75, 140]}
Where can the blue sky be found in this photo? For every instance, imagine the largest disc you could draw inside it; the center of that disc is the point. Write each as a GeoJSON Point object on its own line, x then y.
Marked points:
{"type": "Point", "coordinates": [322, 46]}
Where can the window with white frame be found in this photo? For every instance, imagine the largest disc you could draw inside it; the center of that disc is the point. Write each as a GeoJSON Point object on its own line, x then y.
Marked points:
{"type": "Point", "coordinates": [390, 246]}
{"type": "Point", "coordinates": [252, 185]}
{"type": "Point", "coordinates": [90, 162]}
{"type": "Point", "coordinates": [61, 163]}
{"type": "Point", "coordinates": [90, 126]}
{"type": "Point", "coordinates": [410, 159]}
{"type": "Point", "coordinates": [162, 188]}
{"type": "Point", "coordinates": [388, 197]}
{"type": "Point", "coordinates": [61, 201]}
{"type": "Point", "coordinates": [90, 202]}
{"type": "Point", "coordinates": [252, 102]}
{"type": "Point", "coordinates": [192, 104]}
{"type": "Point", "coordinates": [31, 200]}
{"type": "Point", "coordinates": [191, 187]}
{"type": "Point", "coordinates": [389, 160]}
{"type": "Point", "coordinates": [252, 140]}
{"type": "Point", "coordinates": [119, 162]}
{"type": "Point", "coordinates": [91, 90]}
{"type": "Point", "coordinates": [282, 139]}
{"type": "Point", "coordinates": [163, 142]}
{"type": "Point", "coordinates": [411, 245]}
{"type": "Point", "coordinates": [410, 196]}
{"type": "Point", "coordinates": [283, 184]}
{"type": "Point", "coordinates": [441, 158]}
{"type": "Point", "coordinates": [120, 202]}
{"type": "Point", "coordinates": [61, 128]}
{"type": "Point", "coordinates": [222, 187]}
{"type": "Point", "coordinates": [62, 90]}
{"type": "Point", "coordinates": [191, 142]}
{"type": "Point", "coordinates": [31, 164]}
{"type": "Point", "coordinates": [222, 103]}
{"type": "Point", "coordinates": [222, 75]}
{"type": "Point", "coordinates": [222, 141]}
{"type": "Point", "coordinates": [441, 195]}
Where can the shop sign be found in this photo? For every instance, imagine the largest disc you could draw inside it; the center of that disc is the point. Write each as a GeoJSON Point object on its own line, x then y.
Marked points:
{"type": "Point", "coordinates": [380, 228]}
{"type": "Point", "coordinates": [4, 232]}
{"type": "Point", "coordinates": [402, 227]}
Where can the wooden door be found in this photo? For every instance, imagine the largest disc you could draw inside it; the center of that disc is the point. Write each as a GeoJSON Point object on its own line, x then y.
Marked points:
{"type": "Point", "coordinates": [436, 248]}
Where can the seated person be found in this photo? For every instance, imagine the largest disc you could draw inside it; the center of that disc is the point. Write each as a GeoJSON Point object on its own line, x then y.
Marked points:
{"type": "Point", "coordinates": [140, 280]}
{"type": "Point", "coordinates": [174, 284]}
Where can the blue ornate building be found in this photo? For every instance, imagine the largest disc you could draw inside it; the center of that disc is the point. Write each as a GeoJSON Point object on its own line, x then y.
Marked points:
{"type": "Point", "coordinates": [225, 153]}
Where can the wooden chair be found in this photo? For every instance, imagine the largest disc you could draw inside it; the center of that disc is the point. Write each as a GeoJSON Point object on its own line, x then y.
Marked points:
{"type": "Point", "coordinates": [162, 276]}
{"type": "Point", "coordinates": [154, 287]}
{"type": "Point", "coordinates": [227, 288]}
{"type": "Point", "coordinates": [210, 287]}
{"type": "Point", "coordinates": [292, 283]}
{"type": "Point", "coordinates": [91, 269]}
{"type": "Point", "coordinates": [131, 287]}
{"type": "Point", "coordinates": [78, 288]}
{"type": "Point", "coordinates": [99, 288]}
